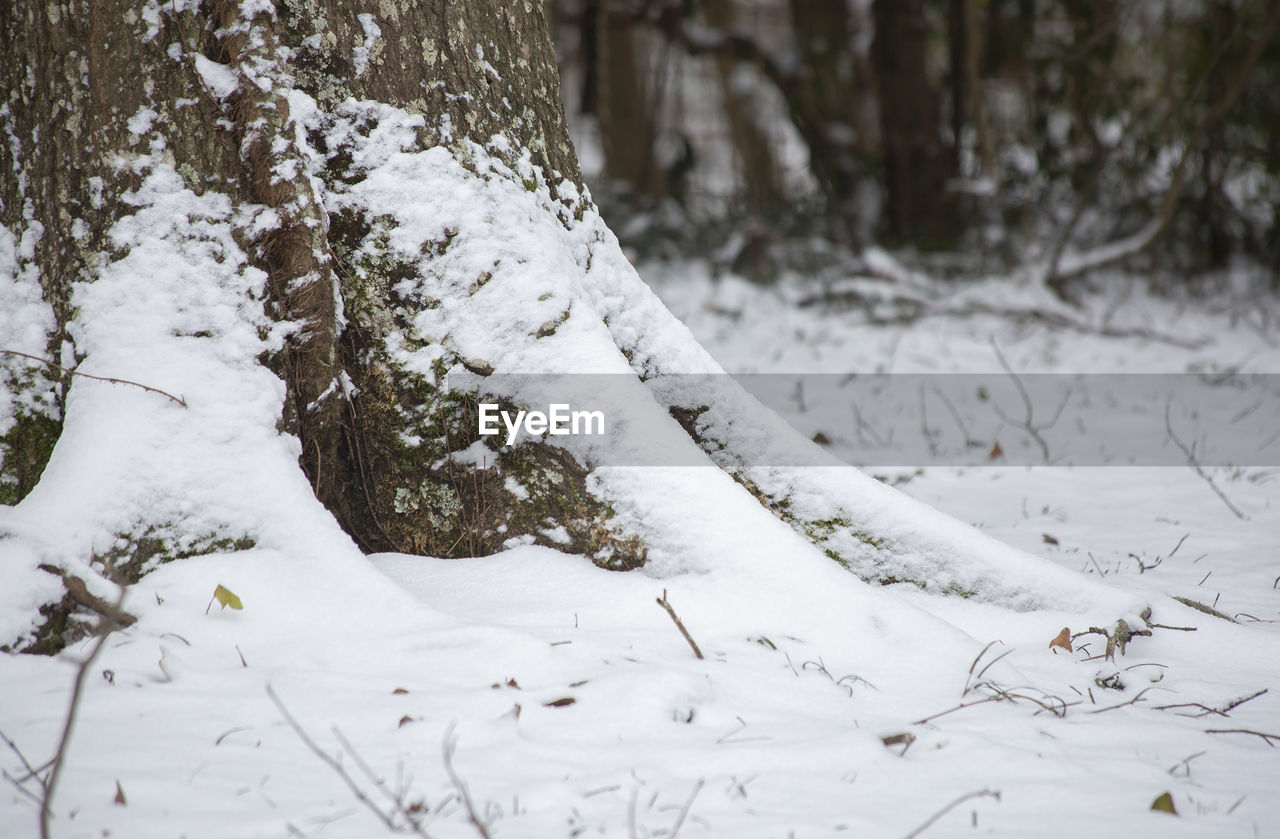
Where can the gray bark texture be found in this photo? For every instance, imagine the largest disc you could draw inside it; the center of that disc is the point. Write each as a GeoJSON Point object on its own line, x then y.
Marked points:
{"type": "Point", "coordinates": [87, 86]}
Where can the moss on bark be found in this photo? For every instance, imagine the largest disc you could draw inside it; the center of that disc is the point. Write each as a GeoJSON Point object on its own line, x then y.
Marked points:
{"type": "Point", "coordinates": [24, 451]}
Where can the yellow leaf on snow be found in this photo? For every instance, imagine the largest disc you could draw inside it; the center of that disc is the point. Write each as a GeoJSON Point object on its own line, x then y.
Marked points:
{"type": "Point", "coordinates": [1164, 804]}
{"type": "Point", "coordinates": [225, 596]}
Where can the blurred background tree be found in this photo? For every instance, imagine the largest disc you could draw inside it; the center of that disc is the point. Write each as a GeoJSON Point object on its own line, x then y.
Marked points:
{"type": "Point", "coordinates": [968, 136]}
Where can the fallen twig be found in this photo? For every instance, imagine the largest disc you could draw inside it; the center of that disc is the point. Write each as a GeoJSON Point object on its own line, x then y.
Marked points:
{"type": "Point", "coordinates": [1135, 700]}
{"type": "Point", "coordinates": [1266, 737]}
{"type": "Point", "coordinates": [1206, 710]}
{"type": "Point", "coordinates": [180, 400]}
{"type": "Point", "coordinates": [1185, 763]}
{"type": "Point", "coordinates": [1200, 607]}
{"type": "Point", "coordinates": [662, 601]}
{"type": "Point", "coordinates": [959, 707]}
{"type": "Point", "coordinates": [968, 682]}
{"type": "Point", "coordinates": [982, 793]}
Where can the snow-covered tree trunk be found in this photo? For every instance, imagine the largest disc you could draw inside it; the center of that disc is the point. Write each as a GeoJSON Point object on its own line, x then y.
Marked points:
{"type": "Point", "coordinates": [322, 230]}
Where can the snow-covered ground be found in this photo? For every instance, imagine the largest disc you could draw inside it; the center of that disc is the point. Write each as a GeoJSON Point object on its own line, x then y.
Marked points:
{"type": "Point", "coordinates": [553, 699]}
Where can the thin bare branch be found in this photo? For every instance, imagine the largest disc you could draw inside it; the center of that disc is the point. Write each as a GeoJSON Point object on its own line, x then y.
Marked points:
{"type": "Point", "coordinates": [684, 811]}
{"type": "Point", "coordinates": [1195, 465]}
{"type": "Point", "coordinates": [105, 627]}
{"type": "Point", "coordinates": [450, 746]}
{"type": "Point", "coordinates": [336, 765]}
{"type": "Point", "coordinates": [982, 793]}
{"type": "Point", "coordinates": [662, 601]}
{"type": "Point", "coordinates": [1267, 738]}
{"type": "Point", "coordinates": [181, 401]}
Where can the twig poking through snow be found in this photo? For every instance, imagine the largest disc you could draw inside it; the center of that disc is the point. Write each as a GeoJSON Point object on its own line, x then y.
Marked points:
{"type": "Point", "coordinates": [982, 793]}
{"type": "Point", "coordinates": [1195, 465]}
{"type": "Point", "coordinates": [662, 601]}
{"type": "Point", "coordinates": [1267, 738]}
{"type": "Point", "coordinates": [336, 765]}
{"type": "Point", "coordinates": [1205, 710]}
{"type": "Point", "coordinates": [1200, 607]}
{"type": "Point", "coordinates": [48, 363]}
{"type": "Point", "coordinates": [685, 810]}
{"type": "Point", "coordinates": [1027, 424]}
{"type": "Point", "coordinates": [451, 745]}
{"type": "Point", "coordinates": [105, 627]}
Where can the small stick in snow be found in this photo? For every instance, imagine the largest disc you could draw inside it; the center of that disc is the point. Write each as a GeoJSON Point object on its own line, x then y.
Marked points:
{"type": "Point", "coordinates": [1027, 424]}
{"type": "Point", "coordinates": [1206, 710]}
{"type": "Point", "coordinates": [32, 773]}
{"type": "Point", "coordinates": [48, 363]}
{"type": "Point", "coordinates": [685, 811]}
{"type": "Point", "coordinates": [1266, 737]}
{"type": "Point", "coordinates": [450, 745]}
{"type": "Point", "coordinates": [982, 793]}
{"type": "Point", "coordinates": [1134, 701]}
{"type": "Point", "coordinates": [1195, 466]}
{"type": "Point", "coordinates": [1200, 607]}
{"type": "Point", "coordinates": [662, 601]}
{"type": "Point", "coordinates": [105, 627]}
{"type": "Point", "coordinates": [969, 442]}
{"type": "Point", "coordinates": [336, 765]}
{"type": "Point", "coordinates": [1185, 764]}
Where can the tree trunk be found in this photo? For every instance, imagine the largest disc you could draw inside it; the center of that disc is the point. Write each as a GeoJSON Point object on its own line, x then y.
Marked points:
{"type": "Point", "coordinates": [827, 85]}
{"type": "Point", "coordinates": [387, 210]}
{"type": "Point", "coordinates": [920, 209]}
{"type": "Point", "coordinates": [625, 107]}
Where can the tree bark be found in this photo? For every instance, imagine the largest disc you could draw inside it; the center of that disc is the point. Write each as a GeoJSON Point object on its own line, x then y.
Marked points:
{"type": "Point", "coordinates": [380, 206]}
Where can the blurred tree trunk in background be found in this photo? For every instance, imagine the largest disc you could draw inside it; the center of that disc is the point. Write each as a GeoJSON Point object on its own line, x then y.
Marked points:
{"type": "Point", "coordinates": [759, 170]}
{"type": "Point", "coordinates": [1005, 132]}
{"type": "Point", "coordinates": [968, 107]}
{"type": "Point", "coordinates": [827, 94]}
{"type": "Point", "coordinates": [919, 209]}
{"type": "Point", "coordinates": [626, 104]}
{"type": "Point", "coordinates": [762, 191]}
{"type": "Point", "coordinates": [1212, 206]}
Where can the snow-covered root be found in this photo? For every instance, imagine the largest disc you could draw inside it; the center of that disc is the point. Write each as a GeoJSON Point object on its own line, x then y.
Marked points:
{"type": "Point", "coordinates": [136, 477]}
{"type": "Point", "coordinates": [873, 530]}
{"type": "Point", "coordinates": [527, 285]}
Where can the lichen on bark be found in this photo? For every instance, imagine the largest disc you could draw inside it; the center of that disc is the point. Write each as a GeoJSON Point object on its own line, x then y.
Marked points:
{"type": "Point", "coordinates": [408, 490]}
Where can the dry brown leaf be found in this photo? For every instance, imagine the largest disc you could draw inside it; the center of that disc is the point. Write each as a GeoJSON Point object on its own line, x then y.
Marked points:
{"type": "Point", "coordinates": [1063, 639]}
{"type": "Point", "coordinates": [120, 799]}
{"type": "Point", "coordinates": [996, 452]}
